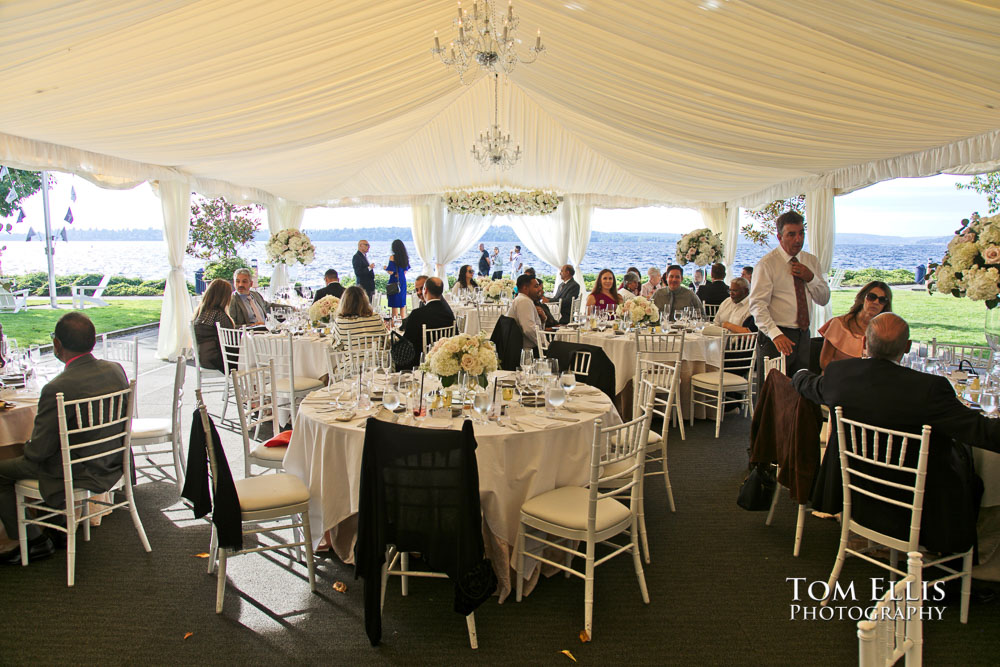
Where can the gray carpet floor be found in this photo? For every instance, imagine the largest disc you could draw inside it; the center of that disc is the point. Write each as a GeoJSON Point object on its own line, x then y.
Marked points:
{"type": "Point", "coordinates": [717, 585]}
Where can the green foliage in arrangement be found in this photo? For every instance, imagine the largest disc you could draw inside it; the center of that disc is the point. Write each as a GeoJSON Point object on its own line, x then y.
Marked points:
{"type": "Point", "coordinates": [890, 276]}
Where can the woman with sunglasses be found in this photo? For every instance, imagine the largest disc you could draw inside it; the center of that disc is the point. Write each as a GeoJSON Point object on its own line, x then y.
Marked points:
{"type": "Point", "coordinates": [844, 336]}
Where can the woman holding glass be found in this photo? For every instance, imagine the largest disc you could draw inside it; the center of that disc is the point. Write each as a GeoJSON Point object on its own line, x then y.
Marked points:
{"type": "Point", "coordinates": [605, 295]}
{"type": "Point", "coordinates": [844, 336]}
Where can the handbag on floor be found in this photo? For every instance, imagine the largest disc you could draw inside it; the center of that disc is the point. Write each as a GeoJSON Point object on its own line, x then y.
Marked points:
{"type": "Point", "coordinates": [758, 488]}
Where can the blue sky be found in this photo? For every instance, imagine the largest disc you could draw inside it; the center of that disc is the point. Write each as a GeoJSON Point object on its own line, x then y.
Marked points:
{"type": "Point", "coordinates": [902, 207]}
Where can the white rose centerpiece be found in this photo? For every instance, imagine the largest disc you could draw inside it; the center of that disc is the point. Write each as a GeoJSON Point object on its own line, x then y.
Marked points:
{"type": "Point", "coordinates": [473, 354]}
{"type": "Point", "coordinates": [290, 246]}
{"type": "Point", "coordinates": [700, 247]}
{"type": "Point", "coordinates": [971, 265]}
{"type": "Point", "coordinates": [640, 310]}
{"type": "Point", "coordinates": [324, 309]}
{"type": "Point", "coordinates": [498, 288]}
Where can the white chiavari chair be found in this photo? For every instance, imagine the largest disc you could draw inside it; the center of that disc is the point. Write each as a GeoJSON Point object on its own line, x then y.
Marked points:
{"type": "Point", "coordinates": [256, 404]}
{"type": "Point", "coordinates": [149, 432]}
{"type": "Point", "coordinates": [488, 313]}
{"type": "Point", "coordinates": [547, 337]}
{"type": "Point", "coordinates": [739, 352]}
{"type": "Point", "coordinates": [431, 336]}
{"type": "Point", "coordinates": [126, 352]}
{"type": "Point", "coordinates": [710, 311]}
{"type": "Point", "coordinates": [230, 341]}
{"type": "Point", "coordinates": [893, 628]}
{"type": "Point", "coordinates": [580, 364]}
{"type": "Point", "coordinates": [666, 348]}
{"type": "Point", "coordinates": [281, 350]}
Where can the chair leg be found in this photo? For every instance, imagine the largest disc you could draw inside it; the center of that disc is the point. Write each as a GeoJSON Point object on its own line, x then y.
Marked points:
{"type": "Point", "coordinates": [838, 565]}
{"type": "Point", "coordinates": [966, 586]}
{"type": "Point", "coordinates": [310, 561]}
{"type": "Point", "coordinates": [220, 589]}
{"type": "Point", "coordinates": [641, 512]}
{"type": "Point", "coordinates": [519, 547]}
{"type": "Point", "coordinates": [677, 404]}
{"type": "Point", "coordinates": [22, 528]}
{"type": "Point", "coordinates": [666, 475]}
{"type": "Point", "coordinates": [719, 408]}
{"type": "Point", "coordinates": [178, 464]}
{"type": "Point", "coordinates": [389, 553]}
{"type": "Point", "coordinates": [213, 551]}
{"type": "Point", "coordinates": [404, 566]}
{"type": "Point", "coordinates": [638, 569]}
{"type": "Point", "coordinates": [800, 524]}
{"type": "Point", "coordinates": [225, 399]}
{"type": "Point", "coordinates": [70, 549]}
{"type": "Point", "coordinates": [588, 589]}
{"type": "Point", "coordinates": [86, 524]}
{"type": "Point", "coordinates": [136, 521]}
{"type": "Point", "coordinates": [774, 501]}
{"type": "Point", "coordinates": [470, 622]}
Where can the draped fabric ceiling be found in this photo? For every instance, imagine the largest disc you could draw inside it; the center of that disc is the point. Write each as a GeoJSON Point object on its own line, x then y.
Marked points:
{"type": "Point", "coordinates": [682, 102]}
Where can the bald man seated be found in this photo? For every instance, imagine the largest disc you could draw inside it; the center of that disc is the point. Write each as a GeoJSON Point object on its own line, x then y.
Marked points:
{"type": "Point", "coordinates": [880, 392]}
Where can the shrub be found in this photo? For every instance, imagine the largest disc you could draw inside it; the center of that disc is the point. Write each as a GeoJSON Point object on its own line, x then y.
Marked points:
{"type": "Point", "coordinates": [224, 268]}
{"type": "Point", "coordinates": [890, 277]}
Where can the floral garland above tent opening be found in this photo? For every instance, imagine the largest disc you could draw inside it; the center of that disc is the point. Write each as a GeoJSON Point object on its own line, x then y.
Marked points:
{"type": "Point", "coordinates": [533, 202]}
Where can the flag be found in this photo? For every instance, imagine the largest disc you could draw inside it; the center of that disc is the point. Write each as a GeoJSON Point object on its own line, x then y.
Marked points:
{"type": "Point", "coordinates": [11, 195]}
{"type": "Point", "coordinates": [72, 194]}
{"type": "Point", "coordinates": [20, 216]}
{"type": "Point", "coordinates": [4, 173]}
{"type": "Point", "coordinates": [63, 234]}
{"type": "Point", "coordinates": [69, 216]}
{"type": "Point", "coordinates": [31, 234]}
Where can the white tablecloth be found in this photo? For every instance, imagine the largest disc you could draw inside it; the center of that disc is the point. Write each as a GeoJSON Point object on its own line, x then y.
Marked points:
{"type": "Point", "coordinates": [471, 315]}
{"type": "Point", "coordinates": [310, 354]}
{"type": "Point", "coordinates": [15, 428]}
{"type": "Point", "coordinates": [513, 467]}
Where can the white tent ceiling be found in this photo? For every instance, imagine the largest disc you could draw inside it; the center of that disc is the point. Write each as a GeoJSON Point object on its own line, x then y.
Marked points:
{"type": "Point", "coordinates": [685, 102]}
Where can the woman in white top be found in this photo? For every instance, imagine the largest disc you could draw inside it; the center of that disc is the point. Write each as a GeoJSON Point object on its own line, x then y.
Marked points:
{"type": "Point", "coordinates": [356, 317]}
{"type": "Point", "coordinates": [466, 279]}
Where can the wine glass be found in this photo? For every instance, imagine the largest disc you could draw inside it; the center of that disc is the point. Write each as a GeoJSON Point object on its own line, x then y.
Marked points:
{"type": "Point", "coordinates": [390, 398]}
{"type": "Point", "coordinates": [542, 368]}
{"type": "Point", "coordinates": [527, 358]}
{"type": "Point", "coordinates": [568, 382]}
{"type": "Point", "coordinates": [555, 396]}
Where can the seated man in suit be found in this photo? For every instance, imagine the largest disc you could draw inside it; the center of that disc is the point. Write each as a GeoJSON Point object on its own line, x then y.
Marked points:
{"type": "Point", "coordinates": [418, 290]}
{"type": "Point", "coordinates": [568, 290]}
{"type": "Point", "coordinates": [714, 292]}
{"type": "Point", "coordinates": [333, 286]}
{"type": "Point", "coordinates": [83, 377]}
{"type": "Point", "coordinates": [435, 313]}
{"type": "Point", "coordinates": [880, 392]}
{"type": "Point", "coordinates": [247, 307]}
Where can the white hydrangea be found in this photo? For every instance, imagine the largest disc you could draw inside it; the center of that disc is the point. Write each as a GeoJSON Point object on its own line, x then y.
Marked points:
{"type": "Point", "coordinates": [946, 280]}
{"type": "Point", "coordinates": [981, 284]}
{"type": "Point", "coordinates": [963, 254]}
{"type": "Point", "coordinates": [289, 246]}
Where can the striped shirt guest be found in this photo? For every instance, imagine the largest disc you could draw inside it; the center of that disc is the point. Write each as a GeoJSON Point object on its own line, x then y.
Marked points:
{"type": "Point", "coordinates": [356, 317]}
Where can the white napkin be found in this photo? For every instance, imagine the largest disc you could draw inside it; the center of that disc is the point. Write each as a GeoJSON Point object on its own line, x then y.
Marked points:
{"type": "Point", "coordinates": [436, 422]}
{"type": "Point", "coordinates": [536, 421]}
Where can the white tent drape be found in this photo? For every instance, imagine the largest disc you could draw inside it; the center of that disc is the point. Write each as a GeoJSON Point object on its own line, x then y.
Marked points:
{"type": "Point", "coordinates": [730, 237]}
{"type": "Point", "coordinates": [821, 226]}
{"type": "Point", "coordinates": [427, 215]}
{"type": "Point", "coordinates": [282, 215]}
{"type": "Point", "coordinates": [559, 238]}
{"type": "Point", "coordinates": [456, 234]}
{"type": "Point", "coordinates": [174, 335]}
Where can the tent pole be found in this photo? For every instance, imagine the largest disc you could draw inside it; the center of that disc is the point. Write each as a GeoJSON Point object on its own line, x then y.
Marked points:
{"type": "Point", "coordinates": [48, 240]}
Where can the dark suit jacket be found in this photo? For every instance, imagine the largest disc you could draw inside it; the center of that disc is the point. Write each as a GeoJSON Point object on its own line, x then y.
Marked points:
{"type": "Point", "coordinates": [363, 273]}
{"type": "Point", "coordinates": [883, 394]}
{"type": "Point", "coordinates": [549, 321]}
{"type": "Point", "coordinates": [435, 314]}
{"type": "Point", "coordinates": [713, 293]}
{"type": "Point", "coordinates": [333, 289]}
{"type": "Point", "coordinates": [84, 378]}
{"type": "Point", "coordinates": [239, 313]}
{"type": "Point", "coordinates": [565, 294]}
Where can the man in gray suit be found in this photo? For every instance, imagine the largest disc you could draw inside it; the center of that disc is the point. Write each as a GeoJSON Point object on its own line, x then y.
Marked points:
{"type": "Point", "coordinates": [84, 376]}
{"type": "Point", "coordinates": [247, 307]}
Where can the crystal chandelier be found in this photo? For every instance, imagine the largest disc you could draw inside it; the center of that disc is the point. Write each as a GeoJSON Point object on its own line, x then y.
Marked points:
{"type": "Point", "coordinates": [485, 43]}
{"type": "Point", "coordinates": [492, 148]}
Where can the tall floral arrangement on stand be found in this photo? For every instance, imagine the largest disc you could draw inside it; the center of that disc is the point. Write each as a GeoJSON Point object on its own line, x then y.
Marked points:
{"type": "Point", "coordinates": [475, 355]}
{"type": "Point", "coordinates": [700, 247]}
{"type": "Point", "coordinates": [290, 246]}
{"type": "Point", "coordinates": [971, 265]}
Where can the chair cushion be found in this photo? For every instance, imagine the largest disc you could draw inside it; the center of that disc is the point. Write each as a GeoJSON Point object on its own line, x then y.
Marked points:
{"type": "Point", "coordinates": [280, 440]}
{"type": "Point", "coordinates": [270, 491]}
{"type": "Point", "coordinates": [302, 383]}
{"type": "Point", "coordinates": [712, 379]}
{"type": "Point", "coordinates": [272, 453]}
{"type": "Point", "coordinates": [150, 428]}
{"type": "Point", "coordinates": [567, 506]}
{"type": "Point", "coordinates": [653, 437]}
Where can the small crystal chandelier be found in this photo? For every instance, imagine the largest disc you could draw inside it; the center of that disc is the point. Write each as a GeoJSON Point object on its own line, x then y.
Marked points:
{"type": "Point", "coordinates": [485, 44]}
{"type": "Point", "coordinates": [492, 148]}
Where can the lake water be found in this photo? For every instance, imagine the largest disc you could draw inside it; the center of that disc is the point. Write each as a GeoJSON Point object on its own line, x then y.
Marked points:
{"type": "Point", "coordinates": [148, 259]}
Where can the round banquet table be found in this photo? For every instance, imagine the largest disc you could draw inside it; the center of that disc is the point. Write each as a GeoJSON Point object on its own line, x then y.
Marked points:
{"type": "Point", "coordinates": [310, 353]}
{"type": "Point", "coordinates": [513, 467]}
{"type": "Point", "coordinates": [471, 315]}
{"type": "Point", "coordinates": [701, 353]}
{"type": "Point", "coordinates": [15, 429]}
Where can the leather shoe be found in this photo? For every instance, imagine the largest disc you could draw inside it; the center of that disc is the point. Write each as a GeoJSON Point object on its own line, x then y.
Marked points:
{"type": "Point", "coordinates": [39, 548]}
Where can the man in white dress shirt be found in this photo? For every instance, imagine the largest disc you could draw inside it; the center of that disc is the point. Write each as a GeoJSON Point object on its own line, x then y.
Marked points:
{"type": "Point", "coordinates": [524, 310]}
{"type": "Point", "coordinates": [734, 311]}
{"type": "Point", "coordinates": [786, 284]}
{"type": "Point", "coordinates": [516, 264]}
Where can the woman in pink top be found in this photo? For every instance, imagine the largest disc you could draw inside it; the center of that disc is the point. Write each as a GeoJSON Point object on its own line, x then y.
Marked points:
{"type": "Point", "coordinates": [605, 293]}
{"type": "Point", "coordinates": [844, 336]}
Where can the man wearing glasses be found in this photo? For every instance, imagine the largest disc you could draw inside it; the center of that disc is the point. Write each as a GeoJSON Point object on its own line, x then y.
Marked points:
{"type": "Point", "coordinates": [83, 377]}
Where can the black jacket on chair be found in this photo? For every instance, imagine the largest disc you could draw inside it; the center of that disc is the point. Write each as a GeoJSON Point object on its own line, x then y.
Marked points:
{"type": "Point", "coordinates": [602, 371]}
{"type": "Point", "coordinates": [223, 502]}
{"type": "Point", "coordinates": [420, 492]}
{"type": "Point", "coordinates": [509, 342]}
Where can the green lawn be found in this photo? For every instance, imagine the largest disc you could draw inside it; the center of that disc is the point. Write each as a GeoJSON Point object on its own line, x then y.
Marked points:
{"type": "Point", "coordinates": [34, 324]}
{"type": "Point", "coordinates": [940, 316]}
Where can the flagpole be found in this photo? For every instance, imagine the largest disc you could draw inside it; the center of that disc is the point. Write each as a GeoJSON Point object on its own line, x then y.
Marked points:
{"type": "Point", "coordinates": [48, 240]}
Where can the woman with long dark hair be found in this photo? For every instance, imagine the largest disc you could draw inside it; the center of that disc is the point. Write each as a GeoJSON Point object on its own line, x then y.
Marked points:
{"type": "Point", "coordinates": [212, 309]}
{"type": "Point", "coordinates": [399, 264]}
{"type": "Point", "coordinates": [605, 293]}
{"type": "Point", "coordinates": [844, 336]}
{"type": "Point", "coordinates": [466, 279]}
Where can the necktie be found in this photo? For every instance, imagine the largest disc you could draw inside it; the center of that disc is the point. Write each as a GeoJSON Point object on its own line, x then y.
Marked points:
{"type": "Point", "coordinates": [255, 310]}
{"type": "Point", "coordinates": [801, 306]}
{"type": "Point", "coordinates": [670, 313]}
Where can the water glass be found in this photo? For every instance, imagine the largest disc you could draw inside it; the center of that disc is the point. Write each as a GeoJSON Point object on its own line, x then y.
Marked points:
{"type": "Point", "coordinates": [527, 358]}
{"type": "Point", "coordinates": [567, 381]}
{"type": "Point", "coordinates": [542, 367]}
{"type": "Point", "coordinates": [555, 396]}
{"type": "Point", "coordinates": [482, 403]}
{"type": "Point", "coordinates": [390, 398]}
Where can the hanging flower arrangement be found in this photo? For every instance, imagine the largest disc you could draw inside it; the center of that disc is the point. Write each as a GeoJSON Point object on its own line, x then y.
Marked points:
{"type": "Point", "coordinates": [534, 202]}
{"type": "Point", "coordinates": [700, 247]}
{"type": "Point", "coordinates": [290, 246]}
{"type": "Point", "coordinates": [970, 265]}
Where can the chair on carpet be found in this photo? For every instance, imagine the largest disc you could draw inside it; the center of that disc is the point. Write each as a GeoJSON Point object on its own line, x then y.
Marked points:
{"type": "Point", "coordinates": [714, 388]}
{"type": "Point", "coordinates": [665, 348]}
{"type": "Point", "coordinates": [256, 401]}
{"type": "Point", "coordinates": [83, 424]}
{"type": "Point", "coordinates": [661, 377]}
{"type": "Point", "coordinates": [431, 336]}
{"type": "Point", "coordinates": [881, 483]}
{"type": "Point", "coordinates": [280, 349]}
{"type": "Point", "coordinates": [489, 314]}
{"type": "Point", "coordinates": [265, 499]}
{"type": "Point", "coordinates": [230, 341]}
{"type": "Point", "coordinates": [149, 432]}
{"type": "Point", "coordinates": [893, 628]}
{"type": "Point", "coordinates": [420, 493]}
{"type": "Point", "coordinates": [589, 515]}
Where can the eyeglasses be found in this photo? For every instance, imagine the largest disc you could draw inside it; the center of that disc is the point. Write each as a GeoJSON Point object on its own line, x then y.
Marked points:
{"type": "Point", "coordinates": [872, 296]}
{"type": "Point", "coordinates": [52, 335]}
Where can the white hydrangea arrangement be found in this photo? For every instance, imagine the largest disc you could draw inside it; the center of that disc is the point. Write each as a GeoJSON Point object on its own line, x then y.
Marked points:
{"type": "Point", "coordinates": [534, 202]}
{"type": "Point", "coordinates": [700, 247]}
{"type": "Point", "coordinates": [290, 246]}
{"type": "Point", "coordinates": [324, 309]}
{"type": "Point", "coordinates": [640, 310]}
{"type": "Point", "coordinates": [495, 289]}
{"type": "Point", "coordinates": [971, 265]}
{"type": "Point", "coordinates": [475, 355]}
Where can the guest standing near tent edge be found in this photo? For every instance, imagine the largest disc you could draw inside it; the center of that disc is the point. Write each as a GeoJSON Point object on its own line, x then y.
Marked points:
{"type": "Point", "coordinates": [399, 263]}
{"type": "Point", "coordinates": [364, 271]}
